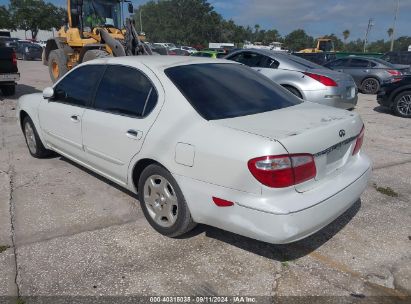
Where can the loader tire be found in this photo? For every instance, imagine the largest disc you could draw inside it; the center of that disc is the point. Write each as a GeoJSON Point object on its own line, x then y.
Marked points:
{"type": "Point", "coordinates": [95, 54]}
{"type": "Point", "coordinates": [57, 64]}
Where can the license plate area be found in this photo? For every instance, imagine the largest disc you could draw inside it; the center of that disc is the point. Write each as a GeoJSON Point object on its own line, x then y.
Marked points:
{"type": "Point", "coordinates": [332, 159]}
{"type": "Point", "coordinates": [9, 77]}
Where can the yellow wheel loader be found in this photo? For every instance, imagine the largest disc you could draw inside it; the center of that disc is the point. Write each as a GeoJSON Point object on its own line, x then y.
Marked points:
{"type": "Point", "coordinates": [93, 29]}
{"type": "Point", "coordinates": [323, 45]}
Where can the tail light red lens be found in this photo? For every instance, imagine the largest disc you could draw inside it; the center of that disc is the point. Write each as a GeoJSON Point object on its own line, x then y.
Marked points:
{"type": "Point", "coordinates": [358, 143]}
{"type": "Point", "coordinates": [327, 81]}
{"type": "Point", "coordinates": [283, 170]}
{"type": "Point", "coordinates": [394, 72]}
{"type": "Point", "coordinates": [14, 58]}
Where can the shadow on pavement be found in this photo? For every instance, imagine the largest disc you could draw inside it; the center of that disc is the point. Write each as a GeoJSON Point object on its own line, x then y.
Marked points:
{"type": "Point", "coordinates": [286, 252]}
{"type": "Point", "coordinates": [383, 110]}
{"type": "Point", "coordinates": [21, 89]}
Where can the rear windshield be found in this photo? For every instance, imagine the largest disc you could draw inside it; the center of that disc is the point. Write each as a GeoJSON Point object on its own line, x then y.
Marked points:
{"type": "Point", "coordinates": [303, 62]}
{"type": "Point", "coordinates": [218, 91]}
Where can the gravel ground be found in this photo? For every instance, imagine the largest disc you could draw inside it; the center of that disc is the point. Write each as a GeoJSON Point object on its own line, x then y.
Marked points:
{"type": "Point", "coordinates": [64, 231]}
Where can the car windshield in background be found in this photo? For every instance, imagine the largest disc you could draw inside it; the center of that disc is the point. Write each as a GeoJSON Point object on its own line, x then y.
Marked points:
{"type": "Point", "coordinates": [218, 91]}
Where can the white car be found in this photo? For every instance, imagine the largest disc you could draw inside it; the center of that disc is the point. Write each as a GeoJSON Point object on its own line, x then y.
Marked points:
{"type": "Point", "coordinates": [203, 141]}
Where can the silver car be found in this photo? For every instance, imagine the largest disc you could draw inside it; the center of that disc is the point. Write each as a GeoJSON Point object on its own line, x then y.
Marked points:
{"type": "Point", "coordinates": [303, 78]}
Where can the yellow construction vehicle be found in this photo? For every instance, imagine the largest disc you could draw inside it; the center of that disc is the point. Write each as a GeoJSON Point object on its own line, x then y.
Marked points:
{"type": "Point", "coordinates": [323, 45]}
{"type": "Point", "coordinates": [93, 29]}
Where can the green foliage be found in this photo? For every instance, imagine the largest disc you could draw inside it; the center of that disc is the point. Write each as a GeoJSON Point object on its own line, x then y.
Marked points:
{"type": "Point", "coordinates": [35, 15]}
{"type": "Point", "coordinates": [298, 40]}
{"type": "Point", "coordinates": [194, 22]}
{"type": "Point", "coordinates": [5, 18]}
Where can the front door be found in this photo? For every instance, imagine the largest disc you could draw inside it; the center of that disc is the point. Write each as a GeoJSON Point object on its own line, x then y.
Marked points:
{"type": "Point", "coordinates": [123, 111]}
{"type": "Point", "coordinates": [61, 116]}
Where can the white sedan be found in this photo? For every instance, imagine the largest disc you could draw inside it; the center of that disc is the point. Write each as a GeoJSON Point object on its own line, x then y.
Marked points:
{"type": "Point", "coordinates": [203, 141]}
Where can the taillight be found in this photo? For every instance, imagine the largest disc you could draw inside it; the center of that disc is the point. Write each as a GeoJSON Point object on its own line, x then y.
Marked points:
{"type": "Point", "coordinates": [359, 141]}
{"type": "Point", "coordinates": [394, 72]}
{"type": "Point", "coordinates": [283, 170]}
{"type": "Point", "coordinates": [327, 81]}
{"type": "Point", "coordinates": [14, 58]}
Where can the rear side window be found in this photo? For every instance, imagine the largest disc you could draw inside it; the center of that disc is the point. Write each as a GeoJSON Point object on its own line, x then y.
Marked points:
{"type": "Point", "coordinates": [250, 59]}
{"type": "Point", "coordinates": [337, 63]}
{"type": "Point", "coordinates": [359, 63]}
{"type": "Point", "coordinates": [125, 91]}
{"type": "Point", "coordinates": [218, 91]}
{"type": "Point", "coordinates": [78, 86]}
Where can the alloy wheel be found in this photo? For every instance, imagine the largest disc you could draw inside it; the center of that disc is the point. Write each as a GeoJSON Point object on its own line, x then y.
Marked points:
{"type": "Point", "coordinates": [30, 138]}
{"type": "Point", "coordinates": [160, 200]}
{"type": "Point", "coordinates": [404, 105]}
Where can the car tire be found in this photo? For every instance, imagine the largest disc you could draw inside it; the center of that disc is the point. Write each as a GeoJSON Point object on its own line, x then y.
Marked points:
{"type": "Point", "coordinates": [8, 90]}
{"type": "Point", "coordinates": [294, 91]}
{"type": "Point", "coordinates": [33, 141]}
{"type": "Point", "coordinates": [95, 54]}
{"type": "Point", "coordinates": [57, 64]}
{"type": "Point", "coordinates": [163, 203]}
{"type": "Point", "coordinates": [370, 86]}
{"type": "Point", "coordinates": [402, 104]}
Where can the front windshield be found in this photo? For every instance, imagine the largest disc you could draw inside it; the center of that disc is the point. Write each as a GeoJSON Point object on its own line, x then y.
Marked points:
{"type": "Point", "coordinates": [101, 13]}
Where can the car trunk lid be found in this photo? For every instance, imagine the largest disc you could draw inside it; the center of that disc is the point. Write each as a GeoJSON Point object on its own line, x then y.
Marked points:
{"type": "Point", "coordinates": [325, 132]}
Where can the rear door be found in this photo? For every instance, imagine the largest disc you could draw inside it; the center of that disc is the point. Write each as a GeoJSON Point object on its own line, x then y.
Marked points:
{"type": "Point", "coordinates": [61, 117]}
{"type": "Point", "coordinates": [126, 105]}
{"type": "Point", "coordinates": [358, 69]}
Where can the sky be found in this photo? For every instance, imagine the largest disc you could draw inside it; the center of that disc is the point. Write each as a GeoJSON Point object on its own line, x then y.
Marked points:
{"type": "Point", "coordinates": [316, 17]}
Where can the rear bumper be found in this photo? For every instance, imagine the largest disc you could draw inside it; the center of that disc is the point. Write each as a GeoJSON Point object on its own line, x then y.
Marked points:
{"type": "Point", "coordinates": [383, 99]}
{"type": "Point", "coordinates": [247, 217]}
{"type": "Point", "coordinates": [337, 99]}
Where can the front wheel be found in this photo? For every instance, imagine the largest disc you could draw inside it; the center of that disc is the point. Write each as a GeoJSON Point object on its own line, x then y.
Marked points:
{"type": "Point", "coordinates": [402, 104]}
{"type": "Point", "coordinates": [370, 86]}
{"type": "Point", "coordinates": [163, 202]}
{"type": "Point", "coordinates": [33, 141]}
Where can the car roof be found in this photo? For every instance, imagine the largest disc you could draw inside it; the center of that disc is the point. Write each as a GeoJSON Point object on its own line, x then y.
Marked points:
{"type": "Point", "coordinates": [158, 62]}
{"type": "Point", "coordinates": [262, 52]}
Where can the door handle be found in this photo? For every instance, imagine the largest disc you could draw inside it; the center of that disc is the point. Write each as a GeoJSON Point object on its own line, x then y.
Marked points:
{"type": "Point", "coordinates": [133, 134]}
{"type": "Point", "coordinates": [75, 118]}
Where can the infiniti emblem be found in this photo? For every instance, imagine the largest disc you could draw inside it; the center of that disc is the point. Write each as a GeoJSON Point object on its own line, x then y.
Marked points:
{"type": "Point", "coordinates": [342, 133]}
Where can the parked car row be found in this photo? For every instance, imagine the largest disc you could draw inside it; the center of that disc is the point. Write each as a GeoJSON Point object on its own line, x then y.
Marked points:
{"type": "Point", "coordinates": [303, 78]}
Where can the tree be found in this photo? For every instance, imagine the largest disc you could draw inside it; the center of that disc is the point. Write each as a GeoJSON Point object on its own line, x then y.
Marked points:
{"type": "Point", "coordinates": [5, 18]}
{"type": "Point", "coordinates": [346, 34]}
{"type": "Point", "coordinates": [390, 32]}
{"type": "Point", "coordinates": [298, 40]}
{"type": "Point", "coordinates": [35, 15]}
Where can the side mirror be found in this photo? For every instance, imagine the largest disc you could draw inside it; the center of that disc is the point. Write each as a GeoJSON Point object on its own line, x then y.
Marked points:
{"type": "Point", "coordinates": [48, 93]}
{"type": "Point", "coordinates": [130, 8]}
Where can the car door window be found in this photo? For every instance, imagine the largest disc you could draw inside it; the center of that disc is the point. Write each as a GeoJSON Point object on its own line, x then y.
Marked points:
{"type": "Point", "coordinates": [78, 86]}
{"type": "Point", "coordinates": [125, 91]}
{"type": "Point", "coordinates": [337, 63]}
{"type": "Point", "coordinates": [250, 59]}
{"type": "Point", "coordinates": [359, 63]}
